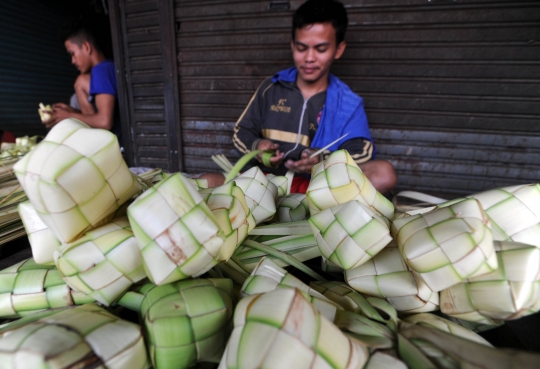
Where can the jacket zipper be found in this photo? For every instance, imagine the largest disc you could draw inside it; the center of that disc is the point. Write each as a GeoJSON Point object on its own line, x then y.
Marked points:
{"type": "Point", "coordinates": [304, 106]}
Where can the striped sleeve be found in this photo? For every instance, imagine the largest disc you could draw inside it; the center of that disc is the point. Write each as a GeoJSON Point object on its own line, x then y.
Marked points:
{"type": "Point", "coordinates": [360, 149]}
{"type": "Point", "coordinates": [247, 130]}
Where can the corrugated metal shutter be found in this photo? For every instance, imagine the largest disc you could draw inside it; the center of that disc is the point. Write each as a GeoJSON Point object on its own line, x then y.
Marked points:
{"type": "Point", "coordinates": [34, 65]}
{"type": "Point", "coordinates": [451, 87]}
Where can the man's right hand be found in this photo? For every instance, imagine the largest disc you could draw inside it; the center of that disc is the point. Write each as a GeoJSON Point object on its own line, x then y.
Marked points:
{"type": "Point", "coordinates": [60, 112]}
{"type": "Point", "coordinates": [267, 145]}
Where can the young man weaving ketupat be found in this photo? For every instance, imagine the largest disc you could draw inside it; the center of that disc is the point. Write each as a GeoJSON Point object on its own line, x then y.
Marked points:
{"type": "Point", "coordinates": [305, 108]}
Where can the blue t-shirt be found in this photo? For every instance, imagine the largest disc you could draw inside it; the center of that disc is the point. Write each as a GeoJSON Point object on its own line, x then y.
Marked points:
{"type": "Point", "coordinates": [103, 81]}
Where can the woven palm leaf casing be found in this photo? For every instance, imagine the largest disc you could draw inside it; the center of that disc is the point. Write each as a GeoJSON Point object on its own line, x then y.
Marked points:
{"type": "Point", "coordinates": [291, 208]}
{"type": "Point", "coordinates": [282, 329]}
{"type": "Point", "coordinates": [260, 194]}
{"type": "Point", "coordinates": [338, 180]}
{"type": "Point", "coordinates": [228, 204]}
{"type": "Point", "coordinates": [268, 276]}
{"type": "Point", "coordinates": [42, 241]}
{"type": "Point", "coordinates": [103, 263]}
{"type": "Point", "coordinates": [350, 234]}
{"type": "Point", "coordinates": [187, 321]}
{"type": "Point", "coordinates": [510, 292]}
{"type": "Point", "coordinates": [447, 245]}
{"type": "Point", "coordinates": [75, 178]}
{"type": "Point", "coordinates": [388, 276]}
{"type": "Point", "coordinates": [177, 233]}
{"type": "Point", "coordinates": [85, 336]}
{"type": "Point", "coordinates": [514, 213]}
{"type": "Point", "coordinates": [281, 183]}
{"type": "Point", "coordinates": [26, 288]}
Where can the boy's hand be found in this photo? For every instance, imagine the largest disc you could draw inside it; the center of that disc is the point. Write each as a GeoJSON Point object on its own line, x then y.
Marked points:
{"type": "Point", "coordinates": [304, 165]}
{"type": "Point", "coordinates": [60, 111]}
{"type": "Point", "coordinates": [266, 145]}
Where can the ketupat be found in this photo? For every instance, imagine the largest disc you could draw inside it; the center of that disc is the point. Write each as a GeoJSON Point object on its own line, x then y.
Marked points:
{"type": "Point", "coordinates": [350, 234]}
{"type": "Point", "coordinates": [76, 178]}
{"type": "Point", "coordinates": [185, 322]}
{"type": "Point", "coordinates": [338, 180]}
{"type": "Point", "coordinates": [44, 112]}
{"type": "Point", "coordinates": [388, 276]}
{"type": "Point", "coordinates": [510, 292]}
{"type": "Point", "coordinates": [447, 245]}
{"type": "Point", "coordinates": [228, 204]}
{"type": "Point", "coordinates": [260, 194]}
{"type": "Point", "coordinates": [26, 288]}
{"type": "Point", "coordinates": [177, 233]}
{"type": "Point", "coordinates": [42, 241]}
{"type": "Point", "coordinates": [79, 337]}
{"type": "Point", "coordinates": [291, 208]}
{"type": "Point", "coordinates": [514, 212]}
{"type": "Point", "coordinates": [268, 276]}
{"type": "Point", "coordinates": [103, 263]}
{"type": "Point", "coordinates": [282, 329]}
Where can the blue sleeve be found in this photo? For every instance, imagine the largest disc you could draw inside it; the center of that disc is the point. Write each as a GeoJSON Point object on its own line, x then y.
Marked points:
{"type": "Point", "coordinates": [103, 79]}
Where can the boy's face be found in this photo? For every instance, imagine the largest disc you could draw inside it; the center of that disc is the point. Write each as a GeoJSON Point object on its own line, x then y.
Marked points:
{"type": "Point", "coordinates": [80, 55]}
{"type": "Point", "coordinates": [314, 50]}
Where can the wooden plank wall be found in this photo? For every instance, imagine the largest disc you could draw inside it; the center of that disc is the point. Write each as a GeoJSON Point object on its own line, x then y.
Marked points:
{"type": "Point", "coordinates": [451, 88]}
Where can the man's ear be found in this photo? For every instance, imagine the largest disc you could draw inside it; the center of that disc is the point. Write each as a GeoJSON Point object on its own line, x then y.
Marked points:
{"type": "Point", "coordinates": [292, 44]}
{"type": "Point", "coordinates": [87, 47]}
{"type": "Point", "coordinates": [340, 49]}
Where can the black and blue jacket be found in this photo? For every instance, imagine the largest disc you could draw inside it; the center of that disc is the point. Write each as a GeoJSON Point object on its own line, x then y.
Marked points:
{"type": "Point", "coordinates": [278, 112]}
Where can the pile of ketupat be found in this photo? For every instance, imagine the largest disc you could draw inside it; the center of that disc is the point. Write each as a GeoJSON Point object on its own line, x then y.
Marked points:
{"type": "Point", "coordinates": [203, 268]}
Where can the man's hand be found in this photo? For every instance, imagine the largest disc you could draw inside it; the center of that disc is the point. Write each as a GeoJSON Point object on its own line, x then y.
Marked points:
{"type": "Point", "coordinates": [305, 164]}
{"type": "Point", "coordinates": [60, 111]}
{"type": "Point", "coordinates": [266, 145]}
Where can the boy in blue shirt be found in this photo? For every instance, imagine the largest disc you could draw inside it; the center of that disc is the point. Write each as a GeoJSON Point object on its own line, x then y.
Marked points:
{"type": "Point", "coordinates": [95, 87]}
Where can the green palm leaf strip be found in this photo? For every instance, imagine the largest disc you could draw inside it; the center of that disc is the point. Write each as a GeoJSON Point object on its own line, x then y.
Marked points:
{"type": "Point", "coordinates": [240, 164]}
{"type": "Point", "coordinates": [285, 257]}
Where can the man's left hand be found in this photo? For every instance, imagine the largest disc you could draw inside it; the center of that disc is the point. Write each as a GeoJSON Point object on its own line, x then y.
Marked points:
{"type": "Point", "coordinates": [305, 164]}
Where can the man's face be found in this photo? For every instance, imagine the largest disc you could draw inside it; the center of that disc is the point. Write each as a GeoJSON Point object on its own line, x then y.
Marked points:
{"type": "Point", "coordinates": [314, 50]}
{"type": "Point", "coordinates": [80, 55]}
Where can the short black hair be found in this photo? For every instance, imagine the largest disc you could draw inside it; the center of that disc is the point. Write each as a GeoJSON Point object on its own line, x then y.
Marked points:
{"type": "Point", "coordinates": [79, 31]}
{"type": "Point", "coordinates": [321, 11]}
